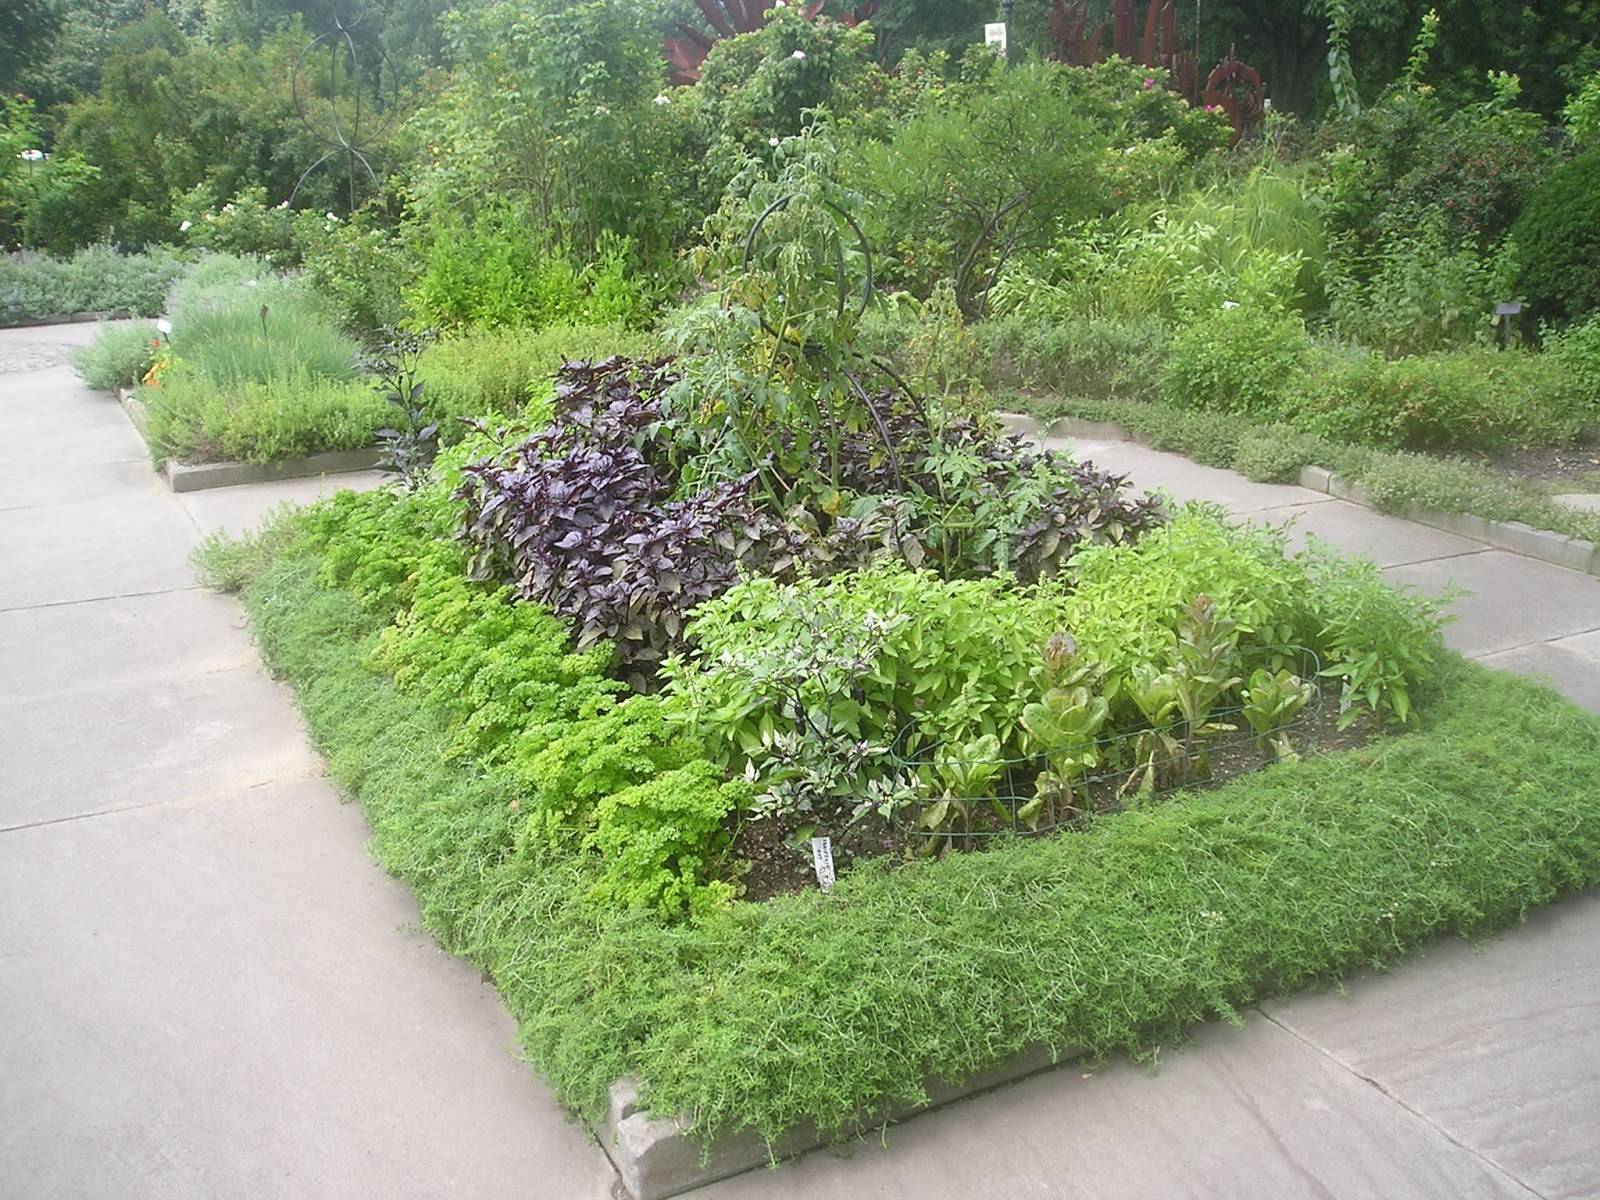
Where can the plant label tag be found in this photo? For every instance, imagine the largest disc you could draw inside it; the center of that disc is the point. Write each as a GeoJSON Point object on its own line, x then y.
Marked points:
{"type": "Point", "coordinates": [822, 858]}
{"type": "Point", "coordinates": [994, 34]}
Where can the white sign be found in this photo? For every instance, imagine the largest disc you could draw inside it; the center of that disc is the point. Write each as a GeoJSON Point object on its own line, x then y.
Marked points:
{"type": "Point", "coordinates": [822, 858]}
{"type": "Point", "coordinates": [994, 34]}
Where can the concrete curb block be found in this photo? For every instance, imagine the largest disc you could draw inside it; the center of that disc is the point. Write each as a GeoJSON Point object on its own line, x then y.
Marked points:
{"type": "Point", "coordinates": [1576, 554]}
{"type": "Point", "coordinates": [134, 407]}
{"type": "Point", "coordinates": [194, 477]}
{"type": "Point", "coordinates": [117, 314]}
{"type": "Point", "coordinates": [656, 1156]}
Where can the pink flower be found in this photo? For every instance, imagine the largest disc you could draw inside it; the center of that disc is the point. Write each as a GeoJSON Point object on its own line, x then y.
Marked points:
{"type": "Point", "coordinates": [1149, 82]}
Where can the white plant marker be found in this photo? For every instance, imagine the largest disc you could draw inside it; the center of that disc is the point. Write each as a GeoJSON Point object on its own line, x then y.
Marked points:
{"type": "Point", "coordinates": [822, 859]}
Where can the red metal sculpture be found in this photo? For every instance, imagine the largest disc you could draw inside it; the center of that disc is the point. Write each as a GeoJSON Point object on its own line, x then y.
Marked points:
{"type": "Point", "coordinates": [729, 18]}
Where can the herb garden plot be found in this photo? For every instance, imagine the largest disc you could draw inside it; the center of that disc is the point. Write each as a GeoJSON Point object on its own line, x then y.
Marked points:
{"type": "Point", "coordinates": [580, 679]}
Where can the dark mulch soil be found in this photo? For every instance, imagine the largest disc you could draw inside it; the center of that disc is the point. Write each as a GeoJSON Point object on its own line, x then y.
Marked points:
{"type": "Point", "coordinates": [775, 853]}
{"type": "Point", "coordinates": [1570, 464]}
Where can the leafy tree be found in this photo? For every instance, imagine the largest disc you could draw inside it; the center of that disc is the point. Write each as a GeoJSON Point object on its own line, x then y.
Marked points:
{"type": "Point", "coordinates": [26, 28]}
{"type": "Point", "coordinates": [553, 109]}
{"type": "Point", "coordinates": [964, 186]}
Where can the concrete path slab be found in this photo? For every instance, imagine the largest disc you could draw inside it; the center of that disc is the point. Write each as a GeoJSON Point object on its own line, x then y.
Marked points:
{"type": "Point", "coordinates": [127, 745]}
{"type": "Point", "coordinates": [1529, 1014]}
{"type": "Point", "coordinates": [1560, 664]}
{"type": "Point", "coordinates": [91, 549]}
{"type": "Point", "coordinates": [241, 509]}
{"type": "Point", "coordinates": [1511, 601]}
{"type": "Point", "coordinates": [65, 649]}
{"type": "Point", "coordinates": [1388, 541]}
{"type": "Point", "coordinates": [1246, 1114]}
{"type": "Point", "coordinates": [39, 485]}
{"type": "Point", "coordinates": [219, 999]}
{"type": "Point", "coordinates": [207, 987]}
{"type": "Point", "coordinates": [1186, 480]}
{"type": "Point", "coordinates": [50, 416]}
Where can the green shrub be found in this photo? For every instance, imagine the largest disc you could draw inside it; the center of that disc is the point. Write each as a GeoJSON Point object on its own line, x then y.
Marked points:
{"type": "Point", "coordinates": [119, 356]}
{"type": "Point", "coordinates": [1575, 351]}
{"type": "Point", "coordinates": [237, 322]}
{"type": "Point", "coordinates": [1412, 154]}
{"type": "Point", "coordinates": [294, 413]}
{"type": "Point", "coordinates": [962, 186]}
{"type": "Point", "coordinates": [245, 225]}
{"type": "Point", "coordinates": [658, 840]}
{"type": "Point", "coordinates": [503, 671]}
{"type": "Point", "coordinates": [373, 544]}
{"type": "Point", "coordinates": [1075, 357]}
{"type": "Point", "coordinates": [1416, 292]}
{"type": "Point", "coordinates": [1272, 453]}
{"type": "Point", "coordinates": [95, 279]}
{"type": "Point", "coordinates": [360, 268]}
{"type": "Point", "coordinates": [877, 657]}
{"type": "Point", "coordinates": [1257, 242]}
{"type": "Point", "coordinates": [496, 373]}
{"type": "Point", "coordinates": [1236, 360]}
{"type": "Point", "coordinates": [493, 272]}
{"type": "Point", "coordinates": [583, 768]}
{"type": "Point", "coordinates": [1129, 599]}
{"type": "Point", "coordinates": [1558, 239]}
{"type": "Point", "coordinates": [1581, 115]}
{"type": "Point", "coordinates": [1476, 399]}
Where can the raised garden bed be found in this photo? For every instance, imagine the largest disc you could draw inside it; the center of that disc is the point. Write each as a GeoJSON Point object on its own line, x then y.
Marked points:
{"type": "Point", "coordinates": [193, 477]}
{"type": "Point", "coordinates": [83, 318]}
{"type": "Point", "coordinates": [752, 1027]}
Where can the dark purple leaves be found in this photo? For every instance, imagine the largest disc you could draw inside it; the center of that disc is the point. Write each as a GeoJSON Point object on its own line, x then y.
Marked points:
{"type": "Point", "coordinates": [580, 518]}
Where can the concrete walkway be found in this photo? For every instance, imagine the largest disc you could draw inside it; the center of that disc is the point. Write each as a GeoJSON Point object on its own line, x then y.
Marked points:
{"type": "Point", "coordinates": [207, 988]}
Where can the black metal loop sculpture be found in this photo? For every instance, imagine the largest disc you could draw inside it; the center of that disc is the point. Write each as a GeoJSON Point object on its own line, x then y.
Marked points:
{"type": "Point", "coordinates": [852, 375]}
{"type": "Point", "coordinates": [346, 134]}
{"type": "Point", "coordinates": [863, 247]}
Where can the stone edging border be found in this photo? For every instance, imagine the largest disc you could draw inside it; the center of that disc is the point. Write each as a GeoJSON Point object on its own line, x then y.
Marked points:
{"type": "Point", "coordinates": [115, 314]}
{"type": "Point", "coordinates": [657, 1157]}
{"type": "Point", "coordinates": [1577, 554]}
{"type": "Point", "coordinates": [194, 477]}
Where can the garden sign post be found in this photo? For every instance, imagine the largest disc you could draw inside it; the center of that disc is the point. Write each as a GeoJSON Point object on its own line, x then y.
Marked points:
{"type": "Point", "coordinates": [998, 33]}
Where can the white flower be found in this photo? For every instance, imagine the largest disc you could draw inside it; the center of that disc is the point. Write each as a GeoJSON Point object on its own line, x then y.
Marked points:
{"type": "Point", "coordinates": [1230, 304]}
{"type": "Point", "coordinates": [772, 141]}
{"type": "Point", "coordinates": [285, 204]}
{"type": "Point", "coordinates": [600, 110]}
{"type": "Point", "coordinates": [663, 98]}
{"type": "Point", "coordinates": [331, 217]}
{"type": "Point", "coordinates": [250, 283]}
{"type": "Point", "coordinates": [227, 208]}
{"type": "Point", "coordinates": [184, 228]}
{"type": "Point", "coordinates": [798, 54]}
{"type": "Point", "coordinates": [164, 325]}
